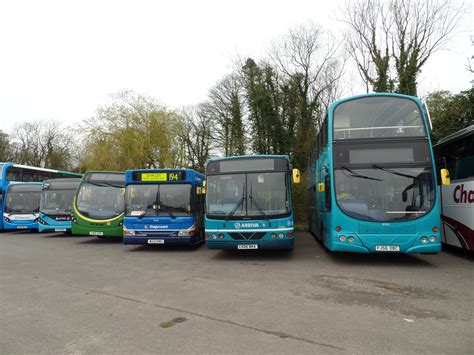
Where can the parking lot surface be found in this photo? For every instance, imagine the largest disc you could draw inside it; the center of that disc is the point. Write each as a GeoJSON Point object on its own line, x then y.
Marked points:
{"type": "Point", "coordinates": [70, 294]}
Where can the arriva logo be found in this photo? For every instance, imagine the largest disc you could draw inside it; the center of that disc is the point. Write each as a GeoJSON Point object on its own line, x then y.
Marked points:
{"type": "Point", "coordinates": [246, 225]}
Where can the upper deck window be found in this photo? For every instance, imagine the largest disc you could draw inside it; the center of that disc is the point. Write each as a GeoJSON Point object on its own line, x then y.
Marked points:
{"type": "Point", "coordinates": [378, 117]}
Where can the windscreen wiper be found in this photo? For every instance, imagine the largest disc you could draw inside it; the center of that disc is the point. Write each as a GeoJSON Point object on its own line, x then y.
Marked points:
{"type": "Point", "coordinates": [172, 215]}
{"type": "Point", "coordinates": [395, 172]}
{"type": "Point", "coordinates": [112, 185]}
{"type": "Point", "coordinates": [354, 174]}
{"type": "Point", "coordinates": [257, 205]}
{"type": "Point", "coordinates": [238, 204]}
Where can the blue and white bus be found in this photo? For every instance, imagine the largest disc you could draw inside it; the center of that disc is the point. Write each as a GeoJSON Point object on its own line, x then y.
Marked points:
{"type": "Point", "coordinates": [55, 211]}
{"type": "Point", "coordinates": [249, 202]}
{"type": "Point", "coordinates": [22, 202]}
{"type": "Point", "coordinates": [21, 210]}
{"type": "Point", "coordinates": [371, 178]}
{"type": "Point", "coordinates": [163, 206]}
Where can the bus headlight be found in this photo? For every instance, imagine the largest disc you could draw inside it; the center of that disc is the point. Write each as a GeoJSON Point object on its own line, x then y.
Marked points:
{"type": "Point", "coordinates": [351, 239]}
{"type": "Point", "coordinates": [273, 235]}
{"type": "Point", "coordinates": [342, 238]}
{"type": "Point", "coordinates": [281, 235]}
{"type": "Point", "coordinates": [214, 236]}
{"type": "Point", "coordinates": [433, 239]}
{"type": "Point", "coordinates": [424, 240]}
{"type": "Point", "coordinates": [7, 219]}
{"type": "Point", "coordinates": [128, 232]}
{"type": "Point", "coordinates": [190, 231]}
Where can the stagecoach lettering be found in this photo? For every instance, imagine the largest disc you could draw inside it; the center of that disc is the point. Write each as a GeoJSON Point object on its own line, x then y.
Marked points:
{"type": "Point", "coordinates": [463, 196]}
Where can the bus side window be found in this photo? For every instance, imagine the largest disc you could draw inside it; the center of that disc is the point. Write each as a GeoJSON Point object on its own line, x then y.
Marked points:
{"type": "Point", "coordinates": [327, 192]}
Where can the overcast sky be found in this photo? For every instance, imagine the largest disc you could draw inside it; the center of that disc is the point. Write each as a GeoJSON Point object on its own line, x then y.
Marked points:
{"type": "Point", "coordinates": [61, 59]}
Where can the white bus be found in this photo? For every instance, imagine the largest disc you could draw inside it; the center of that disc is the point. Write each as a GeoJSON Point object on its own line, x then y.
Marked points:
{"type": "Point", "coordinates": [456, 153]}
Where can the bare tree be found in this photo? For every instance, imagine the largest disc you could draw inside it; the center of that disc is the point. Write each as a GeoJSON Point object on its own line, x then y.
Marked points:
{"type": "Point", "coordinates": [310, 66]}
{"type": "Point", "coordinates": [197, 137]}
{"type": "Point", "coordinates": [225, 108]}
{"type": "Point", "coordinates": [391, 41]}
{"type": "Point", "coordinates": [312, 54]}
{"type": "Point", "coordinates": [45, 144]}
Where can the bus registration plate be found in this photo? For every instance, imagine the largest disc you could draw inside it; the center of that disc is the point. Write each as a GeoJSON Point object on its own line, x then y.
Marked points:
{"type": "Point", "coordinates": [247, 246]}
{"type": "Point", "coordinates": [387, 248]}
{"type": "Point", "coordinates": [156, 241]}
{"type": "Point", "coordinates": [21, 227]}
{"type": "Point", "coordinates": [96, 233]}
{"type": "Point", "coordinates": [60, 230]}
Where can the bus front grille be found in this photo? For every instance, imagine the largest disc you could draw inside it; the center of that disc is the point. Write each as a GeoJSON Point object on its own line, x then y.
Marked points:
{"type": "Point", "coordinates": [247, 235]}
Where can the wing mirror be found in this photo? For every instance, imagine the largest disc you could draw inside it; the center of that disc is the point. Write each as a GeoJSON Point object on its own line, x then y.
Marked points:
{"type": "Point", "coordinates": [321, 187]}
{"type": "Point", "coordinates": [296, 176]}
{"type": "Point", "coordinates": [445, 179]}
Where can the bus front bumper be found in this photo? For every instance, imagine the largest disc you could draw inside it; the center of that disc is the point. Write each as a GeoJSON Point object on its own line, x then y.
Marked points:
{"type": "Point", "coordinates": [23, 225]}
{"type": "Point", "coordinates": [407, 244]}
{"type": "Point", "coordinates": [102, 231]}
{"type": "Point", "coordinates": [160, 240]}
{"type": "Point", "coordinates": [282, 244]}
{"type": "Point", "coordinates": [57, 227]}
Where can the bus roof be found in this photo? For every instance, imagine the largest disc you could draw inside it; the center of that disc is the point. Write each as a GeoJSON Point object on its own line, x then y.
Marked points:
{"type": "Point", "coordinates": [8, 164]}
{"type": "Point", "coordinates": [372, 94]}
{"type": "Point", "coordinates": [456, 135]}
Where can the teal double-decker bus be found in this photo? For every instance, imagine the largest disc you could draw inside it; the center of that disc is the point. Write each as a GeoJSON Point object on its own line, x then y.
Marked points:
{"type": "Point", "coordinates": [371, 177]}
{"type": "Point", "coordinates": [248, 202]}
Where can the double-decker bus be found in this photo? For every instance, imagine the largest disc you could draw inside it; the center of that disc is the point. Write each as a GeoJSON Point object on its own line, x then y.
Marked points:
{"type": "Point", "coordinates": [99, 203]}
{"type": "Point", "coordinates": [456, 153]}
{"type": "Point", "coordinates": [249, 203]}
{"type": "Point", "coordinates": [163, 206]}
{"type": "Point", "coordinates": [371, 181]}
{"type": "Point", "coordinates": [56, 205]}
{"type": "Point", "coordinates": [27, 199]}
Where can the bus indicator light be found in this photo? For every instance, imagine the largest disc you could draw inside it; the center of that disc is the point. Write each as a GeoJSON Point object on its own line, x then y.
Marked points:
{"type": "Point", "coordinates": [338, 228]}
{"type": "Point", "coordinates": [290, 235]}
{"type": "Point", "coordinates": [435, 229]}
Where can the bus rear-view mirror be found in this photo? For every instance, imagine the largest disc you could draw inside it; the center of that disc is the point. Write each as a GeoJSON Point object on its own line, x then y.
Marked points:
{"type": "Point", "coordinates": [445, 179]}
{"type": "Point", "coordinates": [296, 176]}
